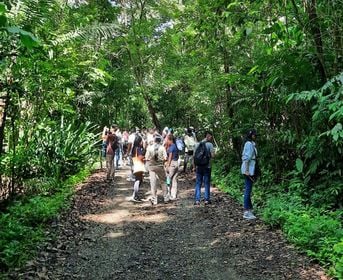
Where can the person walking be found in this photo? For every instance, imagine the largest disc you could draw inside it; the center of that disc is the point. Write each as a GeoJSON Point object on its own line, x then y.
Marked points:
{"type": "Point", "coordinates": [111, 146]}
{"type": "Point", "coordinates": [204, 153]}
{"type": "Point", "coordinates": [137, 155]}
{"type": "Point", "coordinates": [248, 169]}
{"type": "Point", "coordinates": [119, 151]}
{"type": "Point", "coordinates": [190, 143]}
{"type": "Point", "coordinates": [156, 155]}
{"type": "Point", "coordinates": [172, 166]}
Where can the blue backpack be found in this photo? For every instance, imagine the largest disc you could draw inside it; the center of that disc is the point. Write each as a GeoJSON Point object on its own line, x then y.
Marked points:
{"type": "Point", "coordinates": [180, 144]}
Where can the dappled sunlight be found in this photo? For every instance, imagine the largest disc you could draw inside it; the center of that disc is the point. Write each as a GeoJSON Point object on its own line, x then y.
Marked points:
{"type": "Point", "coordinates": [115, 217]}
{"type": "Point", "coordinates": [124, 215]}
{"type": "Point", "coordinates": [114, 234]}
{"type": "Point", "coordinates": [156, 218]}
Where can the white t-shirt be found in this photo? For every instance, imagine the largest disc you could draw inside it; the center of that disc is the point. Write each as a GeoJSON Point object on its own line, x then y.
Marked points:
{"type": "Point", "coordinates": [132, 138]}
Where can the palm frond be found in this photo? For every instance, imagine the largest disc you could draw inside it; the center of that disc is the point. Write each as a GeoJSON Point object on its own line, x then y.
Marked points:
{"type": "Point", "coordinates": [32, 12]}
{"type": "Point", "coordinates": [104, 31]}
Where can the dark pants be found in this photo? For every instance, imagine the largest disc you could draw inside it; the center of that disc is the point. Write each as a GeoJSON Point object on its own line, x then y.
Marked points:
{"type": "Point", "coordinates": [203, 175]}
{"type": "Point", "coordinates": [247, 193]}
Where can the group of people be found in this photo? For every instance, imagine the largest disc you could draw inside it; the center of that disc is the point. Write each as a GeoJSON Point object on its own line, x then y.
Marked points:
{"type": "Point", "coordinates": [159, 154]}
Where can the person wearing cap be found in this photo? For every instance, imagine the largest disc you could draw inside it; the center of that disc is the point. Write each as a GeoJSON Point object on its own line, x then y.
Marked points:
{"type": "Point", "coordinates": [249, 155]}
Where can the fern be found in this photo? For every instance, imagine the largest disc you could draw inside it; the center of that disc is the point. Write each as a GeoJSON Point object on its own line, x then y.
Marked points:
{"type": "Point", "coordinates": [103, 31]}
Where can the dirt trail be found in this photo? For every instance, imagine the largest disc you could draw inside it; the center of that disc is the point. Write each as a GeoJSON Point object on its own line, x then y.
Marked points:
{"type": "Point", "coordinates": [105, 236]}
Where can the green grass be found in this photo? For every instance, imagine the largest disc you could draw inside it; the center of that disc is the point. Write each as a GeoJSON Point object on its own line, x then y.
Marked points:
{"type": "Point", "coordinates": [24, 222]}
{"type": "Point", "coordinates": [317, 232]}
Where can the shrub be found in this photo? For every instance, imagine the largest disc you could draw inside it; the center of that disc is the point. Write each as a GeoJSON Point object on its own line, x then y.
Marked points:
{"type": "Point", "coordinates": [22, 226]}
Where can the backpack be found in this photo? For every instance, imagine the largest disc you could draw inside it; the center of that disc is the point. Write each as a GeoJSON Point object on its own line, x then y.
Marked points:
{"type": "Point", "coordinates": [190, 143]}
{"type": "Point", "coordinates": [202, 155]}
{"type": "Point", "coordinates": [114, 144]}
{"type": "Point", "coordinates": [180, 144]}
{"type": "Point", "coordinates": [156, 152]}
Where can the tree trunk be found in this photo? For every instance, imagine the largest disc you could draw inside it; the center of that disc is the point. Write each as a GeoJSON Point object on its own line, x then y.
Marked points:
{"type": "Point", "coordinates": [152, 112]}
{"type": "Point", "coordinates": [230, 112]}
{"type": "Point", "coordinates": [311, 9]}
{"type": "Point", "coordinates": [3, 106]}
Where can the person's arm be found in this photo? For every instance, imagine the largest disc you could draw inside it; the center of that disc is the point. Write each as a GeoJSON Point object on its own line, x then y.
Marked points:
{"type": "Point", "coordinates": [129, 147]}
{"type": "Point", "coordinates": [212, 151]}
{"type": "Point", "coordinates": [170, 157]}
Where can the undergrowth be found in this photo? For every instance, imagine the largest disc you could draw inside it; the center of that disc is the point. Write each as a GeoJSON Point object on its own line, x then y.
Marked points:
{"type": "Point", "coordinates": [315, 231]}
{"type": "Point", "coordinates": [25, 220]}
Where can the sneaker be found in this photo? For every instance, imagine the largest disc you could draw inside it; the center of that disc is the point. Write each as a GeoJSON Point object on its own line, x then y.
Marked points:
{"type": "Point", "coordinates": [197, 203]}
{"type": "Point", "coordinates": [248, 215]}
{"type": "Point", "coordinates": [166, 199]}
{"type": "Point", "coordinates": [153, 201]}
{"type": "Point", "coordinates": [208, 202]}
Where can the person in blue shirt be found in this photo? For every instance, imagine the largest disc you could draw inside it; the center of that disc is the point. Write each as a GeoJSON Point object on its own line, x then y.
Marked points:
{"type": "Point", "coordinates": [172, 166]}
{"type": "Point", "coordinates": [249, 155]}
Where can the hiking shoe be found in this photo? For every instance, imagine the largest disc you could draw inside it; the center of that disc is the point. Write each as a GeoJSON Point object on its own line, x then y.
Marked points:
{"type": "Point", "coordinates": [197, 203]}
{"type": "Point", "coordinates": [135, 199]}
{"type": "Point", "coordinates": [153, 201]}
{"type": "Point", "coordinates": [248, 215]}
{"type": "Point", "coordinates": [208, 202]}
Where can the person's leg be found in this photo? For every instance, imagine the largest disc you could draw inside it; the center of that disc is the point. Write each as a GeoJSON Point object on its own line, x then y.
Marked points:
{"type": "Point", "coordinates": [198, 183]}
{"type": "Point", "coordinates": [207, 184]}
{"type": "Point", "coordinates": [153, 183]}
{"type": "Point", "coordinates": [191, 167]}
{"type": "Point", "coordinates": [131, 176]}
{"type": "Point", "coordinates": [161, 173]}
{"type": "Point", "coordinates": [112, 173]}
{"type": "Point", "coordinates": [137, 184]}
{"type": "Point", "coordinates": [117, 157]}
{"type": "Point", "coordinates": [185, 162]}
{"type": "Point", "coordinates": [109, 163]}
{"type": "Point", "coordinates": [173, 173]}
{"type": "Point", "coordinates": [247, 194]}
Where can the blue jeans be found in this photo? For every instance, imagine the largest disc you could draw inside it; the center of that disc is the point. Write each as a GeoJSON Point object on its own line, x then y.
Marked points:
{"type": "Point", "coordinates": [103, 149]}
{"type": "Point", "coordinates": [118, 153]}
{"type": "Point", "coordinates": [247, 193]}
{"type": "Point", "coordinates": [203, 175]}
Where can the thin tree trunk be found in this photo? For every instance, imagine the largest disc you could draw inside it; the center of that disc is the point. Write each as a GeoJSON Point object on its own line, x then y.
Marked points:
{"type": "Point", "coordinates": [230, 112]}
{"type": "Point", "coordinates": [311, 9]}
{"type": "Point", "coordinates": [3, 121]}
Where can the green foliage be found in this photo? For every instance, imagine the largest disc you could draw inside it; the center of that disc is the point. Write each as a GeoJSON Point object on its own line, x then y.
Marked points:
{"type": "Point", "coordinates": [53, 150]}
{"type": "Point", "coordinates": [23, 224]}
{"type": "Point", "coordinates": [337, 258]}
{"type": "Point", "coordinates": [316, 233]}
{"type": "Point", "coordinates": [313, 230]}
{"type": "Point", "coordinates": [210, 64]}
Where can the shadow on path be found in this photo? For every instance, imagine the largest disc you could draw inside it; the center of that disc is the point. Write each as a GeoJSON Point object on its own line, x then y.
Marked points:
{"type": "Point", "coordinates": [105, 236]}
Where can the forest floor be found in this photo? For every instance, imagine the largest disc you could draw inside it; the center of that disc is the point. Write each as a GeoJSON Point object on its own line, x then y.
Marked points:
{"type": "Point", "coordinates": [105, 236]}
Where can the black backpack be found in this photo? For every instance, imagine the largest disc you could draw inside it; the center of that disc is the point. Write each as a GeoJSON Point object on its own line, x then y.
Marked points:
{"type": "Point", "coordinates": [201, 155]}
{"type": "Point", "coordinates": [115, 144]}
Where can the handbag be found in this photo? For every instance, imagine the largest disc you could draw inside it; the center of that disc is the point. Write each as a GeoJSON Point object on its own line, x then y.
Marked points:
{"type": "Point", "coordinates": [138, 165]}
